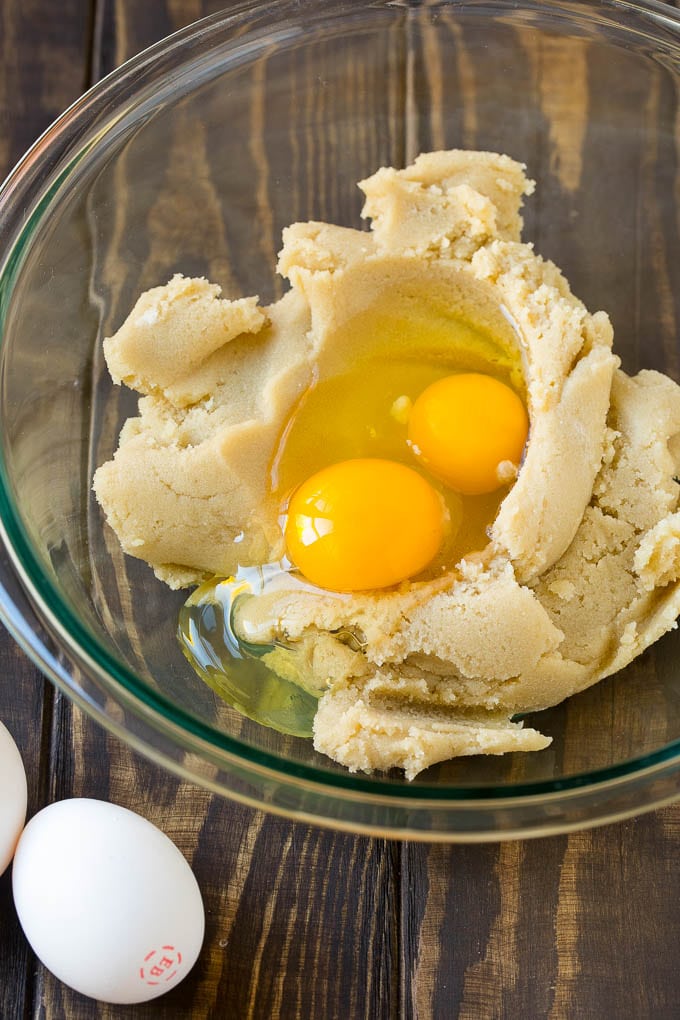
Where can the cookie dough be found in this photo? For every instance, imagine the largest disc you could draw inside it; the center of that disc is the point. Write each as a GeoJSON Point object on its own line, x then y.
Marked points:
{"type": "Point", "coordinates": [582, 566]}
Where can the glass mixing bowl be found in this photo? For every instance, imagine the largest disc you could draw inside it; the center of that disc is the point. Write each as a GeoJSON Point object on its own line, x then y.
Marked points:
{"type": "Point", "coordinates": [192, 157]}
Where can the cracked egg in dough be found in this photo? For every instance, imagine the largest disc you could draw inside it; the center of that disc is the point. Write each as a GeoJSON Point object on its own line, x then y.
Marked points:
{"type": "Point", "coordinates": [561, 577]}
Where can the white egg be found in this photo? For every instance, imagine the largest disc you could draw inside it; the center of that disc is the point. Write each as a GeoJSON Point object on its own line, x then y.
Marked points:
{"type": "Point", "coordinates": [107, 901]}
{"type": "Point", "coordinates": [12, 796]}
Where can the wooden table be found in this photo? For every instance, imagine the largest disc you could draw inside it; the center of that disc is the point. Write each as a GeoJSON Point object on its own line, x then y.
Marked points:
{"type": "Point", "coordinates": [302, 922]}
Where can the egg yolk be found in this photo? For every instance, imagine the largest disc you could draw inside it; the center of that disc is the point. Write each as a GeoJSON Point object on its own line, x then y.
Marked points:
{"type": "Point", "coordinates": [362, 524]}
{"type": "Point", "coordinates": [463, 427]}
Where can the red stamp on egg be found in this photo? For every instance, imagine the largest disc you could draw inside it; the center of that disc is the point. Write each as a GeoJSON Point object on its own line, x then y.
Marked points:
{"type": "Point", "coordinates": [160, 965]}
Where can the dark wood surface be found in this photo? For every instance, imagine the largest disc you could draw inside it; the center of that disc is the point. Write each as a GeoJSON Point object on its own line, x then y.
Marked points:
{"type": "Point", "coordinates": [303, 922]}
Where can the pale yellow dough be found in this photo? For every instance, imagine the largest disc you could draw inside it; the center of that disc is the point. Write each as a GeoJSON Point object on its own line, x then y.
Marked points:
{"type": "Point", "coordinates": [582, 569]}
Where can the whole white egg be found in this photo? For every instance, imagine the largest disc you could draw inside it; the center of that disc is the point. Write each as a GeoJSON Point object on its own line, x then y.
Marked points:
{"type": "Point", "coordinates": [107, 901]}
{"type": "Point", "coordinates": [12, 796]}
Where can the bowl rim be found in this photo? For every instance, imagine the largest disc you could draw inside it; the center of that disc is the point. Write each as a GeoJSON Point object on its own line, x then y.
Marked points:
{"type": "Point", "coordinates": [53, 155]}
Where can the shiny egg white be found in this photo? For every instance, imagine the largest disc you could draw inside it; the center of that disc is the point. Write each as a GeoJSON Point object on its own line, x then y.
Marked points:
{"type": "Point", "coordinates": [107, 901]}
{"type": "Point", "coordinates": [12, 796]}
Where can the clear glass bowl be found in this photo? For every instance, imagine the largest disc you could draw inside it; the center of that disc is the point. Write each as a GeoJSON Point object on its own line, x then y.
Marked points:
{"type": "Point", "coordinates": [192, 157]}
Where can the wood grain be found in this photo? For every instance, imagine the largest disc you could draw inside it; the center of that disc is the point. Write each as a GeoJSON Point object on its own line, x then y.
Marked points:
{"type": "Point", "coordinates": [303, 923]}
